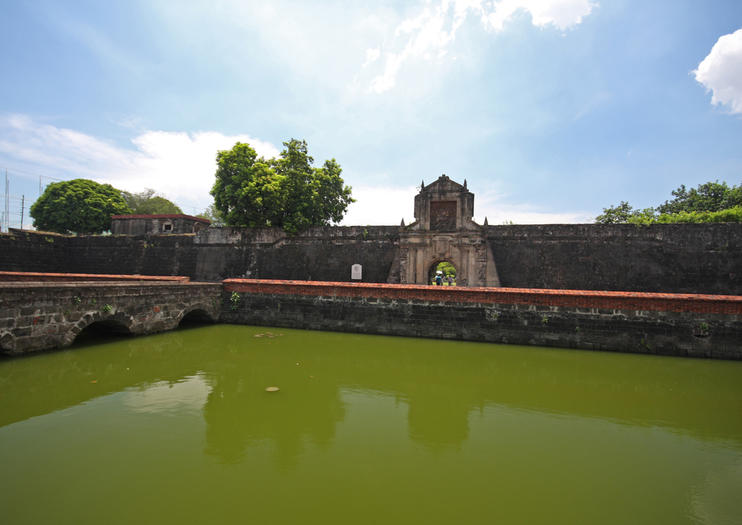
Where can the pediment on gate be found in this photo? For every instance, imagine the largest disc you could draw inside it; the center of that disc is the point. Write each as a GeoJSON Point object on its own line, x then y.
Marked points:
{"type": "Point", "coordinates": [444, 206]}
{"type": "Point", "coordinates": [444, 185]}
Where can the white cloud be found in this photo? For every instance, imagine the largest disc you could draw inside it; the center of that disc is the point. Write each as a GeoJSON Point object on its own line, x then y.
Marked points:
{"type": "Point", "coordinates": [388, 205]}
{"type": "Point", "coordinates": [388, 79]}
{"type": "Point", "coordinates": [381, 39]}
{"type": "Point", "coordinates": [499, 208]}
{"type": "Point", "coordinates": [178, 165]}
{"type": "Point", "coordinates": [561, 14]}
{"type": "Point", "coordinates": [426, 35]}
{"type": "Point", "coordinates": [187, 395]}
{"type": "Point", "coordinates": [381, 205]}
{"type": "Point", "coordinates": [721, 71]}
{"type": "Point", "coordinates": [372, 55]}
{"type": "Point", "coordinates": [430, 33]}
{"type": "Point", "coordinates": [529, 214]}
{"type": "Point", "coordinates": [181, 166]}
{"type": "Point", "coordinates": [494, 206]}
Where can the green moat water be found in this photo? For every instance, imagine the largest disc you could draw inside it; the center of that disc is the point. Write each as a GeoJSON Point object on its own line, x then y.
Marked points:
{"type": "Point", "coordinates": [178, 428]}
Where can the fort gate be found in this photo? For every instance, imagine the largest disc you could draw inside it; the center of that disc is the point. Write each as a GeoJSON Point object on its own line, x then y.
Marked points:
{"type": "Point", "coordinates": [444, 231]}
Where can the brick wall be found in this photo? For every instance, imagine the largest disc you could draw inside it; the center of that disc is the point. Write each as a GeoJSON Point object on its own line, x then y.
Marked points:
{"type": "Point", "coordinates": [653, 323]}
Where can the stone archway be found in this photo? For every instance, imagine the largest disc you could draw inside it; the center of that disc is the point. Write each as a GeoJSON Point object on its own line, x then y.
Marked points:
{"type": "Point", "coordinates": [444, 231]}
{"type": "Point", "coordinates": [118, 323]}
{"type": "Point", "coordinates": [7, 342]}
{"type": "Point", "coordinates": [101, 330]}
{"type": "Point", "coordinates": [447, 269]}
{"type": "Point", "coordinates": [195, 316]}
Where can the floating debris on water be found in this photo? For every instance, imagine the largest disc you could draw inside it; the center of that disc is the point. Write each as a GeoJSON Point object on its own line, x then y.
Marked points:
{"type": "Point", "coordinates": [267, 334]}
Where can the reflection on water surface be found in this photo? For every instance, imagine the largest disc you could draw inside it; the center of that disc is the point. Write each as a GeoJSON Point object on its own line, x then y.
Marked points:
{"type": "Point", "coordinates": [365, 429]}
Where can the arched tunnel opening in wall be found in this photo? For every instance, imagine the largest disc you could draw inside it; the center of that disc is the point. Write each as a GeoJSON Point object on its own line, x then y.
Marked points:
{"type": "Point", "coordinates": [6, 343]}
{"type": "Point", "coordinates": [195, 318]}
{"type": "Point", "coordinates": [445, 270]}
{"type": "Point", "coordinates": [101, 332]}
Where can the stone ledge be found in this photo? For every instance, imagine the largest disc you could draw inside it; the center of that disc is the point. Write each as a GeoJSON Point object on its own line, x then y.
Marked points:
{"type": "Point", "coordinates": [637, 301]}
{"type": "Point", "coordinates": [64, 277]}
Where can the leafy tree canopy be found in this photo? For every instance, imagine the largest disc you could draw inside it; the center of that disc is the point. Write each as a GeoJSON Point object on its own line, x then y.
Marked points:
{"type": "Point", "coordinates": [77, 206]}
{"type": "Point", "coordinates": [727, 215]}
{"type": "Point", "coordinates": [148, 202]}
{"type": "Point", "coordinates": [615, 214]}
{"type": "Point", "coordinates": [287, 192]}
{"type": "Point", "coordinates": [712, 196]}
{"type": "Point", "coordinates": [447, 268]}
{"type": "Point", "coordinates": [710, 202]}
{"type": "Point", "coordinates": [212, 214]}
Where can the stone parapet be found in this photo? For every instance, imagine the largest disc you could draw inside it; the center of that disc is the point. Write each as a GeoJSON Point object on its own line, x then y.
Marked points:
{"type": "Point", "coordinates": [46, 315]}
{"type": "Point", "coordinates": [660, 302]}
{"type": "Point", "coordinates": [662, 324]}
{"type": "Point", "coordinates": [86, 277]}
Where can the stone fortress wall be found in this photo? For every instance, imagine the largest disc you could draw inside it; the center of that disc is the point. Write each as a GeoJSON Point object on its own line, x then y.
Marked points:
{"type": "Point", "coordinates": [575, 285]}
{"type": "Point", "coordinates": [672, 258]}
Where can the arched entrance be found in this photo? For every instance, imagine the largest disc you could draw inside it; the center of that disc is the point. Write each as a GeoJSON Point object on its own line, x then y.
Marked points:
{"type": "Point", "coordinates": [7, 342]}
{"type": "Point", "coordinates": [446, 270]}
{"type": "Point", "coordinates": [196, 317]}
{"type": "Point", "coordinates": [99, 332]}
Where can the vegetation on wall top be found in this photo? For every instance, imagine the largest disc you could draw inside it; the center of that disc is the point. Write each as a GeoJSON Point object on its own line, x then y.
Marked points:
{"type": "Point", "coordinates": [710, 202]}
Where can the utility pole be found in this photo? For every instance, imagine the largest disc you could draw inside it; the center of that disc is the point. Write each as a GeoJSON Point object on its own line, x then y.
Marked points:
{"type": "Point", "coordinates": [6, 214]}
{"type": "Point", "coordinates": [23, 202]}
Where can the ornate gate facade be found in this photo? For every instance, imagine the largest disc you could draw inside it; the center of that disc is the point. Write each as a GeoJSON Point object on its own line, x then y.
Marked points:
{"type": "Point", "coordinates": [445, 231]}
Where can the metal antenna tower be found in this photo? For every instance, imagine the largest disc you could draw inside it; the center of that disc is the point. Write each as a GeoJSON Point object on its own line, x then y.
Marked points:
{"type": "Point", "coordinates": [6, 213]}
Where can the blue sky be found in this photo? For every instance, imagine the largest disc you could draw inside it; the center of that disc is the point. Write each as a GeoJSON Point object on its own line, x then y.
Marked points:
{"type": "Point", "coordinates": [551, 109]}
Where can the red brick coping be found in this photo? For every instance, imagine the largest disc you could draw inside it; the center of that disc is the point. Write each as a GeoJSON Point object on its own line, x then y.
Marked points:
{"type": "Point", "coordinates": [667, 302]}
{"type": "Point", "coordinates": [75, 277]}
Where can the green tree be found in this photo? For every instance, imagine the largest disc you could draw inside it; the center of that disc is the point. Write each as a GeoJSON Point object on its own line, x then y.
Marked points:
{"type": "Point", "coordinates": [726, 215]}
{"type": "Point", "coordinates": [287, 192]}
{"type": "Point", "coordinates": [709, 202]}
{"type": "Point", "coordinates": [615, 214]}
{"type": "Point", "coordinates": [78, 206]}
{"type": "Point", "coordinates": [447, 268]}
{"type": "Point", "coordinates": [148, 202]}
{"type": "Point", "coordinates": [711, 196]}
{"type": "Point", "coordinates": [247, 190]}
{"type": "Point", "coordinates": [212, 214]}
